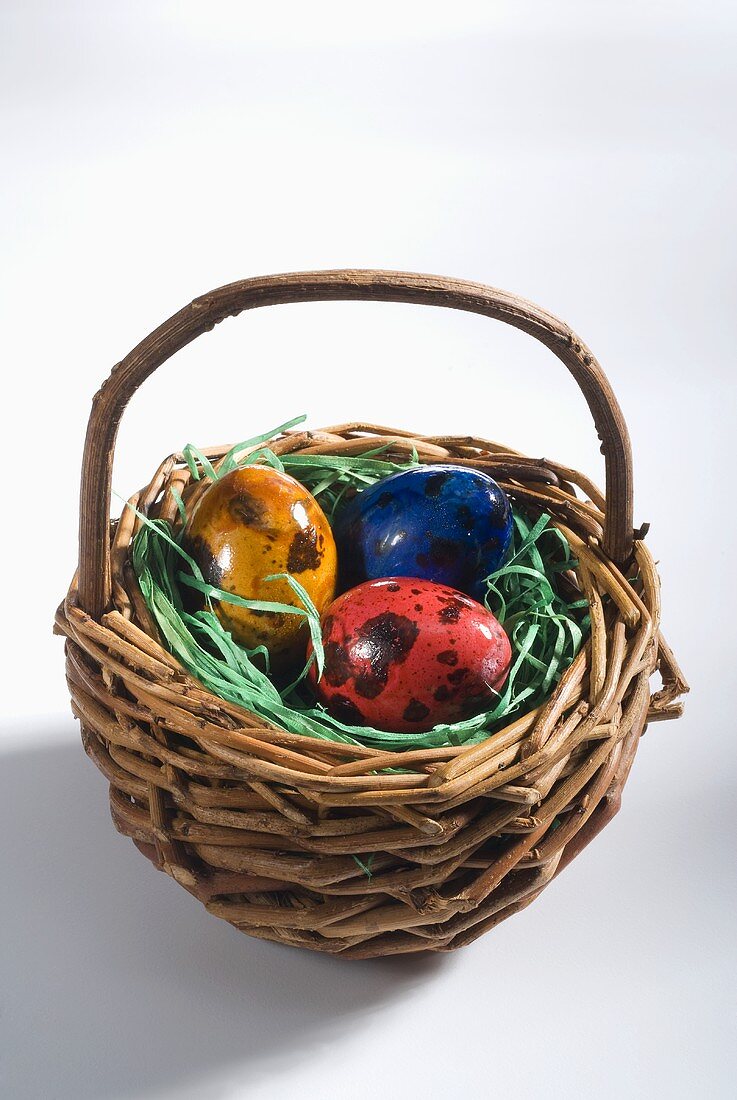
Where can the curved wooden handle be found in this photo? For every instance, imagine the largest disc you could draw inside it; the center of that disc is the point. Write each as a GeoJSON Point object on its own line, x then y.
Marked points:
{"type": "Point", "coordinates": [386, 286]}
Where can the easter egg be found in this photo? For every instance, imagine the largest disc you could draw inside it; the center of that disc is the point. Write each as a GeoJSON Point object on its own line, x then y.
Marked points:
{"type": "Point", "coordinates": [448, 524]}
{"type": "Point", "coordinates": [405, 654]}
{"type": "Point", "coordinates": [252, 523]}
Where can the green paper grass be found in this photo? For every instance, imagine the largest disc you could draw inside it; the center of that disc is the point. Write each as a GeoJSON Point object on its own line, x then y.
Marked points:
{"type": "Point", "coordinates": [545, 631]}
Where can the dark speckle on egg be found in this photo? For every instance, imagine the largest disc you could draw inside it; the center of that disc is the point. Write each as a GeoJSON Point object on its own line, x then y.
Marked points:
{"type": "Point", "coordinates": [435, 482]}
{"type": "Point", "coordinates": [415, 711]}
{"type": "Point", "coordinates": [466, 517]}
{"type": "Point", "coordinates": [448, 657]}
{"type": "Point", "coordinates": [305, 551]}
{"type": "Point", "coordinates": [338, 667]}
{"type": "Point", "coordinates": [246, 508]}
{"type": "Point", "coordinates": [457, 675]}
{"type": "Point", "coordinates": [388, 638]}
{"type": "Point", "coordinates": [368, 686]}
{"type": "Point", "coordinates": [443, 554]}
{"type": "Point", "coordinates": [199, 549]}
{"type": "Point", "coordinates": [345, 710]}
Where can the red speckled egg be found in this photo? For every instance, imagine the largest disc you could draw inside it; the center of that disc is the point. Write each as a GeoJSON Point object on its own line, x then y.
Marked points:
{"type": "Point", "coordinates": [405, 655]}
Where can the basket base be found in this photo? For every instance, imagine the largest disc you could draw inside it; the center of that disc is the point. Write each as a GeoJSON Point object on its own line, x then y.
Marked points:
{"type": "Point", "coordinates": [517, 890]}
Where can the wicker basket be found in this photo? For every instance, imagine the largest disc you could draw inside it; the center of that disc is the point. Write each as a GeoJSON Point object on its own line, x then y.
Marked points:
{"type": "Point", "coordinates": [262, 825]}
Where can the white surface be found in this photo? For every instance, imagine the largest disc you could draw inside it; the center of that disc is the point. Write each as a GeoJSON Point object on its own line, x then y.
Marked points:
{"type": "Point", "coordinates": [579, 154]}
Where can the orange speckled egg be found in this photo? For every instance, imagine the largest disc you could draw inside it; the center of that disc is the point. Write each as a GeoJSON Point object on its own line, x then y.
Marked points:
{"type": "Point", "coordinates": [250, 524]}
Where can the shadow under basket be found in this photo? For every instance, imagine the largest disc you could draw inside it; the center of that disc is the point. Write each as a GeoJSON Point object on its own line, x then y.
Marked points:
{"type": "Point", "coordinates": [311, 842]}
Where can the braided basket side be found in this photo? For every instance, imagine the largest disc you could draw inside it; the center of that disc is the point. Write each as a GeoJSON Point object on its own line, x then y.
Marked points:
{"type": "Point", "coordinates": [272, 830]}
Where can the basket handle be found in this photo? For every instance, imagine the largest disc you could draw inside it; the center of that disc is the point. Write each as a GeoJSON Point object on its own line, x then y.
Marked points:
{"type": "Point", "coordinates": [205, 312]}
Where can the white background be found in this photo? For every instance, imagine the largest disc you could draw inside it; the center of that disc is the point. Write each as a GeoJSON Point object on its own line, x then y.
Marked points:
{"type": "Point", "coordinates": [581, 154]}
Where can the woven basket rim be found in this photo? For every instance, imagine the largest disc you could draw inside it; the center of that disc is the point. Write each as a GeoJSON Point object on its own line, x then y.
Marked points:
{"type": "Point", "coordinates": [361, 436]}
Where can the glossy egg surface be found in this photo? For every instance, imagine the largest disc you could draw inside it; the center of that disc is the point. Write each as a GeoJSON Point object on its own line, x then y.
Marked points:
{"type": "Point", "coordinates": [405, 654]}
{"type": "Point", "coordinates": [448, 524]}
{"type": "Point", "coordinates": [253, 523]}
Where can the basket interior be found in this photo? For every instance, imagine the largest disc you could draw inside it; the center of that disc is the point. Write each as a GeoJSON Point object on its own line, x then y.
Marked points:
{"type": "Point", "coordinates": [536, 595]}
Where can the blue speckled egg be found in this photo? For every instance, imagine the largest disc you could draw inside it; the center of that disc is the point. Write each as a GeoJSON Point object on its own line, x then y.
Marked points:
{"type": "Point", "coordinates": [448, 524]}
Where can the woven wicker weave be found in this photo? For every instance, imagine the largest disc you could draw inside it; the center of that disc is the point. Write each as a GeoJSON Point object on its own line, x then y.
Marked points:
{"type": "Point", "coordinates": [262, 825]}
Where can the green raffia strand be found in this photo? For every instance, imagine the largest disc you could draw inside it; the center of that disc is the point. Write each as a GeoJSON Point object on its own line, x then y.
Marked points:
{"type": "Point", "coordinates": [545, 631]}
{"type": "Point", "coordinates": [366, 867]}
